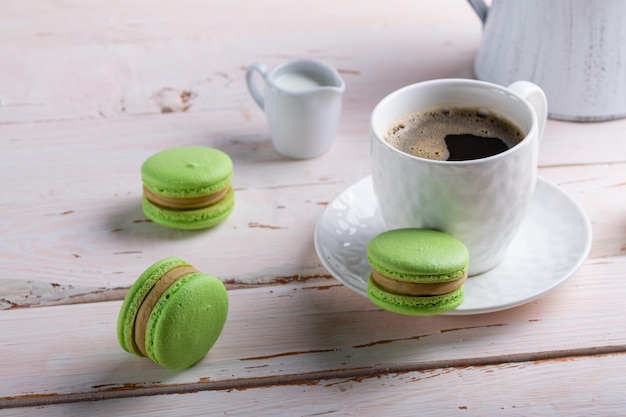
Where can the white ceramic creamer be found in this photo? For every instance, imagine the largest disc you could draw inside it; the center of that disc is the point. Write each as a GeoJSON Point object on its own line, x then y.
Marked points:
{"type": "Point", "coordinates": [575, 50]}
{"type": "Point", "coordinates": [301, 99]}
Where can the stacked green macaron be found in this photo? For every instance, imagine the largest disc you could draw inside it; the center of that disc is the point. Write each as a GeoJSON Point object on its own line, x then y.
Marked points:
{"type": "Point", "coordinates": [417, 271]}
{"type": "Point", "coordinates": [172, 314]}
{"type": "Point", "coordinates": [188, 187]}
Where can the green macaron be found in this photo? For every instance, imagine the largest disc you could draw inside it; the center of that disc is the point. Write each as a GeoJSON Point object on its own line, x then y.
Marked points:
{"type": "Point", "coordinates": [172, 314]}
{"type": "Point", "coordinates": [417, 271]}
{"type": "Point", "coordinates": [188, 187]}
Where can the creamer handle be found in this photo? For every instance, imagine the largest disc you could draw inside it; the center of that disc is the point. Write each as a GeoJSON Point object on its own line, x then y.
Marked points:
{"type": "Point", "coordinates": [252, 87]}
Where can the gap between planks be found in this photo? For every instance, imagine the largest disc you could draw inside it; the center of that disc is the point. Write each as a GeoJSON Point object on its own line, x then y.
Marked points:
{"type": "Point", "coordinates": [34, 300]}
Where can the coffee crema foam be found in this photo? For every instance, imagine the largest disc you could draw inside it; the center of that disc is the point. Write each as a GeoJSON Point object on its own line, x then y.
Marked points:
{"type": "Point", "coordinates": [423, 133]}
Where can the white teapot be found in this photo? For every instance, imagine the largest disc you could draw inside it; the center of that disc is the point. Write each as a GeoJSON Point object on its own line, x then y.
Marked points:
{"type": "Point", "coordinates": [575, 50]}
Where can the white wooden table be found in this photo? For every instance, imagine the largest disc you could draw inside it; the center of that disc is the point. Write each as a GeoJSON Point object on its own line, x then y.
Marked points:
{"type": "Point", "coordinates": [90, 89]}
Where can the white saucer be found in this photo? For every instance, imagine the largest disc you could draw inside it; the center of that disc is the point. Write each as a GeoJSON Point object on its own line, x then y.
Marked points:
{"type": "Point", "coordinates": [552, 243]}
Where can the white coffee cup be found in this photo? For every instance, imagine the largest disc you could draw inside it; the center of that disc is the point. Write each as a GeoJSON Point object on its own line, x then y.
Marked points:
{"type": "Point", "coordinates": [302, 103]}
{"type": "Point", "coordinates": [482, 202]}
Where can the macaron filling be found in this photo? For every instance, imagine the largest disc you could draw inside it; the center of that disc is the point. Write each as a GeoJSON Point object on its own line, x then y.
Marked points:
{"type": "Point", "coordinates": [191, 218]}
{"type": "Point", "coordinates": [185, 203]}
{"type": "Point", "coordinates": [152, 298]}
{"type": "Point", "coordinates": [414, 305]}
{"type": "Point", "coordinates": [414, 288]}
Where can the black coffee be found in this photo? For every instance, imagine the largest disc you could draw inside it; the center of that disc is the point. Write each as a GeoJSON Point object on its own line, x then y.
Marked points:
{"type": "Point", "coordinates": [448, 133]}
{"type": "Point", "coordinates": [466, 146]}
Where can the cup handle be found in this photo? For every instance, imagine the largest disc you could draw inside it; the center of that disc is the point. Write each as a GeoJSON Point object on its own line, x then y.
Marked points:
{"type": "Point", "coordinates": [252, 87]}
{"type": "Point", "coordinates": [537, 99]}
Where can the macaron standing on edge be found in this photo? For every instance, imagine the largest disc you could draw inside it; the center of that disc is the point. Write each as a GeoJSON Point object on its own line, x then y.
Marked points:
{"type": "Point", "coordinates": [188, 187]}
{"type": "Point", "coordinates": [417, 271]}
{"type": "Point", "coordinates": [172, 314]}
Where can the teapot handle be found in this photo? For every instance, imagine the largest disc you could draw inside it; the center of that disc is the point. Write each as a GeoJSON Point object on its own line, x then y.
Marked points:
{"type": "Point", "coordinates": [480, 8]}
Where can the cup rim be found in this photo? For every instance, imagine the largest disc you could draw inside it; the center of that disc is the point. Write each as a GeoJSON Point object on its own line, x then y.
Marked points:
{"type": "Point", "coordinates": [339, 85]}
{"type": "Point", "coordinates": [457, 82]}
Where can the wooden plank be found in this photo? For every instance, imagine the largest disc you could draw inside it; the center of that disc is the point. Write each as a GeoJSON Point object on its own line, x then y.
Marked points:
{"type": "Point", "coordinates": [586, 386]}
{"type": "Point", "coordinates": [199, 73]}
{"type": "Point", "coordinates": [301, 332]}
{"type": "Point", "coordinates": [90, 22]}
{"type": "Point", "coordinates": [139, 61]}
{"type": "Point", "coordinates": [89, 90]}
{"type": "Point", "coordinates": [84, 238]}
{"type": "Point", "coordinates": [601, 192]}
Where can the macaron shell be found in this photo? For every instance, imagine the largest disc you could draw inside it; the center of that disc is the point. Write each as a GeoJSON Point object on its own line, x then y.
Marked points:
{"type": "Point", "coordinates": [187, 321]}
{"type": "Point", "coordinates": [418, 255]}
{"type": "Point", "coordinates": [191, 219]}
{"type": "Point", "coordinates": [135, 296]}
{"type": "Point", "coordinates": [187, 171]}
{"type": "Point", "coordinates": [414, 305]}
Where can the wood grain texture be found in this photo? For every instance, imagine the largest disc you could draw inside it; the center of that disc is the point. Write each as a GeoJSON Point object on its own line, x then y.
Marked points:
{"type": "Point", "coordinates": [94, 248]}
{"type": "Point", "coordinates": [89, 90]}
{"type": "Point", "coordinates": [132, 59]}
{"type": "Point", "coordinates": [303, 332]}
{"type": "Point", "coordinates": [511, 389]}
